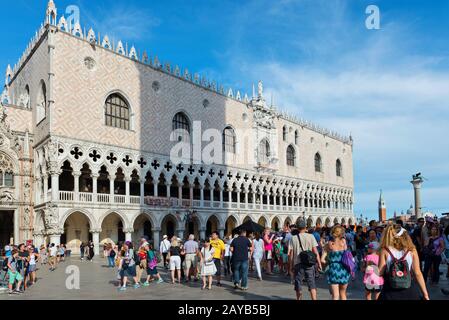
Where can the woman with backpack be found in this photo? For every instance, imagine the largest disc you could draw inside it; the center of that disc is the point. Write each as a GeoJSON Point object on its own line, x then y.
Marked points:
{"type": "Point", "coordinates": [152, 262]}
{"type": "Point", "coordinates": [338, 275]}
{"type": "Point", "coordinates": [398, 260]}
{"type": "Point", "coordinates": [208, 268]}
{"type": "Point", "coordinates": [129, 266]}
{"type": "Point", "coordinates": [111, 254]}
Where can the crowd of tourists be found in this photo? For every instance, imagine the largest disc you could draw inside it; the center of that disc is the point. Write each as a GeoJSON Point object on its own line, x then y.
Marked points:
{"type": "Point", "coordinates": [394, 262]}
{"type": "Point", "coordinates": [20, 264]}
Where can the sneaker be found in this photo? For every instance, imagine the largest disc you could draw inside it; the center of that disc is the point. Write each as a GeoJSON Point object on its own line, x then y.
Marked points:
{"type": "Point", "coordinates": [10, 292]}
{"type": "Point", "coordinates": [136, 286]}
{"type": "Point", "coordinates": [236, 286]}
{"type": "Point", "coordinates": [17, 292]}
{"type": "Point", "coordinates": [160, 281]}
{"type": "Point", "coordinates": [122, 289]}
{"type": "Point", "coordinates": [244, 288]}
{"type": "Point", "coordinates": [146, 284]}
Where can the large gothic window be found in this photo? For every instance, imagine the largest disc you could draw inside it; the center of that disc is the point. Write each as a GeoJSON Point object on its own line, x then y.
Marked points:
{"type": "Point", "coordinates": [291, 156]}
{"type": "Point", "coordinates": [117, 112]}
{"type": "Point", "coordinates": [229, 140]}
{"type": "Point", "coordinates": [318, 163]}
{"type": "Point", "coordinates": [264, 151]}
{"type": "Point", "coordinates": [339, 168]}
{"type": "Point", "coordinates": [181, 125]}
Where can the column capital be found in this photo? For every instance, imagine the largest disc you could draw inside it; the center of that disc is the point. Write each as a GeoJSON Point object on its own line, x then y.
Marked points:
{"type": "Point", "coordinates": [128, 230]}
{"type": "Point", "coordinates": [95, 175]}
{"type": "Point", "coordinates": [97, 230]}
{"type": "Point", "coordinates": [156, 229]}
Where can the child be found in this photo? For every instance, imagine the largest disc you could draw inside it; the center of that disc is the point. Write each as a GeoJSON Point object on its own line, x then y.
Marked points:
{"type": "Point", "coordinates": [13, 273]}
{"type": "Point", "coordinates": [372, 280]}
{"type": "Point", "coordinates": [151, 265]}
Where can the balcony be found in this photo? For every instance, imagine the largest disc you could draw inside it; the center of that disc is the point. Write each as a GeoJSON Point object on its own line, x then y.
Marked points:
{"type": "Point", "coordinates": [161, 202]}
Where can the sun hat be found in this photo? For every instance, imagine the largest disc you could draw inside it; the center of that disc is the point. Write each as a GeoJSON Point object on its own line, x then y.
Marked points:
{"type": "Point", "coordinates": [165, 237]}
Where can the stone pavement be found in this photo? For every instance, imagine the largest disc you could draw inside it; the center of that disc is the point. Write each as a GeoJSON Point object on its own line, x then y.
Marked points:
{"type": "Point", "coordinates": [98, 283]}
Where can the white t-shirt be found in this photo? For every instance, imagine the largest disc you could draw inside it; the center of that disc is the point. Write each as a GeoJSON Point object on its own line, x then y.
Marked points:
{"type": "Point", "coordinates": [53, 251]}
{"type": "Point", "coordinates": [32, 259]}
{"type": "Point", "coordinates": [258, 247]}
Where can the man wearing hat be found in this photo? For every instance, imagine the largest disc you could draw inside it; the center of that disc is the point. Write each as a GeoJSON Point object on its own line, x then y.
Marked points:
{"type": "Point", "coordinates": [164, 248]}
{"type": "Point", "coordinates": [303, 253]}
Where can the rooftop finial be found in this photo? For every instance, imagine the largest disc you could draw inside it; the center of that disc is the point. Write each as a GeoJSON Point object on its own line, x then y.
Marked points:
{"type": "Point", "coordinates": [260, 90]}
{"type": "Point", "coordinates": [51, 13]}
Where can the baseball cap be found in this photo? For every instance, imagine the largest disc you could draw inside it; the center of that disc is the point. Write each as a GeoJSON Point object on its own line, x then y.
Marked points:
{"type": "Point", "coordinates": [301, 224]}
{"type": "Point", "coordinates": [7, 248]}
{"type": "Point", "coordinates": [165, 237]}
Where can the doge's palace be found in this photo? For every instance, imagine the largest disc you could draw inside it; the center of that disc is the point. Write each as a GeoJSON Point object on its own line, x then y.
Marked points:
{"type": "Point", "coordinates": [88, 130]}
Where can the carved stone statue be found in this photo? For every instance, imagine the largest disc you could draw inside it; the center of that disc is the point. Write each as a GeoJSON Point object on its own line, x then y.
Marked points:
{"type": "Point", "coordinates": [7, 196]}
{"type": "Point", "coordinates": [51, 218]}
{"type": "Point", "coordinates": [260, 89]}
{"type": "Point", "coordinates": [26, 217]}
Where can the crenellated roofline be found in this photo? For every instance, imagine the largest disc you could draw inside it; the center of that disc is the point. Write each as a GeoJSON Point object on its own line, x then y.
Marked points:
{"type": "Point", "coordinates": [151, 61]}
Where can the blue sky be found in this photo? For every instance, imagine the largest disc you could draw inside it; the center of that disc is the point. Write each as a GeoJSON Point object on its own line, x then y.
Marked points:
{"type": "Point", "coordinates": [388, 87]}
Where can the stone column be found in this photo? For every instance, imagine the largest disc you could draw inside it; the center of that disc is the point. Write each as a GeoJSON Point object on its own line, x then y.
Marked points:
{"type": "Point", "coordinates": [221, 197]}
{"type": "Point", "coordinates": [17, 239]}
{"type": "Point", "coordinates": [111, 188]}
{"type": "Point", "coordinates": [142, 192]}
{"type": "Point", "coordinates": [203, 234]}
{"type": "Point", "coordinates": [127, 187]}
{"type": "Point", "coordinates": [55, 238]}
{"type": "Point", "coordinates": [96, 240]}
{"type": "Point", "coordinates": [129, 234]}
{"type": "Point", "coordinates": [156, 238]}
{"type": "Point", "coordinates": [45, 189]}
{"type": "Point", "coordinates": [229, 196]}
{"type": "Point", "coordinates": [221, 232]}
{"type": "Point", "coordinates": [168, 190]}
{"type": "Point", "coordinates": [211, 196]}
{"type": "Point", "coordinates": [181, 234]}
{"type": "Point", "coordinates": [202, 196]}
{"type": "Point", "coordinates": [238, 199]}
{"type": "Point", "coordinates": [246, 199]}
{"type": "Point", "coordinates": [417, 184]}
{"type": "Point", "coordinates": [191, 195]}
{"type": "Point", "coordinates": [76, 180]}
{"type": "Point", "coordinates": [95, 186]}
{"type": "Point", "coordinates": [54, 187]}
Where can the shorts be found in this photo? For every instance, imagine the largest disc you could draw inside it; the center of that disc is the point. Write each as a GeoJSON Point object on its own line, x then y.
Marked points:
{"type": "Point", "coordinates": [52, 260]}
{"type": "Point", "coordinates": [31, 268]}
{"type": "Point", "coordinates": [175, 263]}
{"type": "Point", "coordinates": [307, 273]}
{"type": "Point", "coordinates": [152, 272]}
{"type": "Point", "coordinates": [285, 258]}
{"type": "Point", "coordinates": [191, 260]}
{"type": "Point", "coordinates": [14, 276]}
{"type": "Point", "coordinates": [130, 271]}
{"type": "Point", "coordinates": [217, 263]}
{"type": "Point", "coordinates": [268, 255]}
{"type": "Point", "coordinates": [374, 290]}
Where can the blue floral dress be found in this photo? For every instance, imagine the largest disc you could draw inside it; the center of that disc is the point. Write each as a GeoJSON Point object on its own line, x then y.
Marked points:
{"type": "Point", "coordinates": [336, 272]}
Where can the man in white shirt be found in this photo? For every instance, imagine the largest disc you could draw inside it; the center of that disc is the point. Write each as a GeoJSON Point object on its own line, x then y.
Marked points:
{"type": "Point", "coordinates": [164, 248]}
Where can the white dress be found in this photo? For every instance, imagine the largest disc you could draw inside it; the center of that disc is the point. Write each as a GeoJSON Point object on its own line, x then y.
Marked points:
{"type": "Point", "coordinates": [208, 267]}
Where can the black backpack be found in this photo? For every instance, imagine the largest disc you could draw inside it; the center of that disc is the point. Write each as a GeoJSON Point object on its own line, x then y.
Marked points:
{"type": "Point", "coordinates": [398, 274]}
{"type": "Point", "coordinates": [112, 253]}
{"type": "Point", "coordinates": [306, 258]}
{"type": "Point", "coordinates": [5, 265]}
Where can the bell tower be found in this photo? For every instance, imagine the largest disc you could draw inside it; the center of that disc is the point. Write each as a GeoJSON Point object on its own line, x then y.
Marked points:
{"type": "Point", "coordinates": [382, 208]}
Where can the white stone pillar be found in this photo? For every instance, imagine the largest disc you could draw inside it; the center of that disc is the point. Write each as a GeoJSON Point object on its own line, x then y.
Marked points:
{"type": "Point", "coordinates": [168, 190]}
{"type": "Point", "coordinates": [238, 199]}
{"type": "Point", "coordinates": [221, 197]}
{"type": "Point", "coordinates": [181, 234]}
{"type": "Point", "coordinates": [55, 238]}
{"type": "Point", "coordinates": [246, 199]}
{"type": "Point", "coordinates": [229, 196]}
{"type": "Point", "coordinates": [111, 188]}
{"type": "Point", "coordinates": [191, 195]}
{"type": "Point", "coordinates": [45, 189]}
{"type": "Point", "coordinates": [95, 186]}
{"type": "Point", "coordinates": [203, 234]}
{"type": "Point", "coordinates": [17, 239]}
{"type": "Point", "coordinates": [55, 187]}
{"type": "Point", "coordinates": [76, 179]}
{"type": "Point", "coordinates": [202, 196]}
{"type": "Point", "coordinates": [96, 240]}
{"type": "Point", "coordinates": [156, 239]}
{"type": "Point", "coordinates": [142, 192]}
{"type": "Point", "coordinates": [127, 188]}
{"type": "Point", "coordinates": [211, 197]}
{"type": "Point", "coordinates": [129, 234]}
{"type": "Point", "coordinates": [221, 233]}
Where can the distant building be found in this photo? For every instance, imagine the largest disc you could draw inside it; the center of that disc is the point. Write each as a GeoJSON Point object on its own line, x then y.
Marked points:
{"type": "Point", "coordinates": [382, 208]}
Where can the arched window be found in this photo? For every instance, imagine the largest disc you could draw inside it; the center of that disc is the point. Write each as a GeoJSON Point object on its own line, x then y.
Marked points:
{"type": "Point", "coordinates": [6, 179]}
{"type": "Point", "coordinates": [264, 151]}
{"type": "Point", "coordinates": [229, 140]}
{"type": "Point", "coordinates": [296, 137]}
{"type": "Point", "coordinates": [181, 125]}
{"type": "Point", "coordinates": [284, 133]}
{"type": "Point", "coordinates": [117, 112]}
{"type": "Point", "coordinates": [339, 168]}
{"type": "Point", "coordinates": [318, 164]}
{"type": "Point", "coordinates": [291, 156]}
{"type": "Point", "coordinates": [41, 103]}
